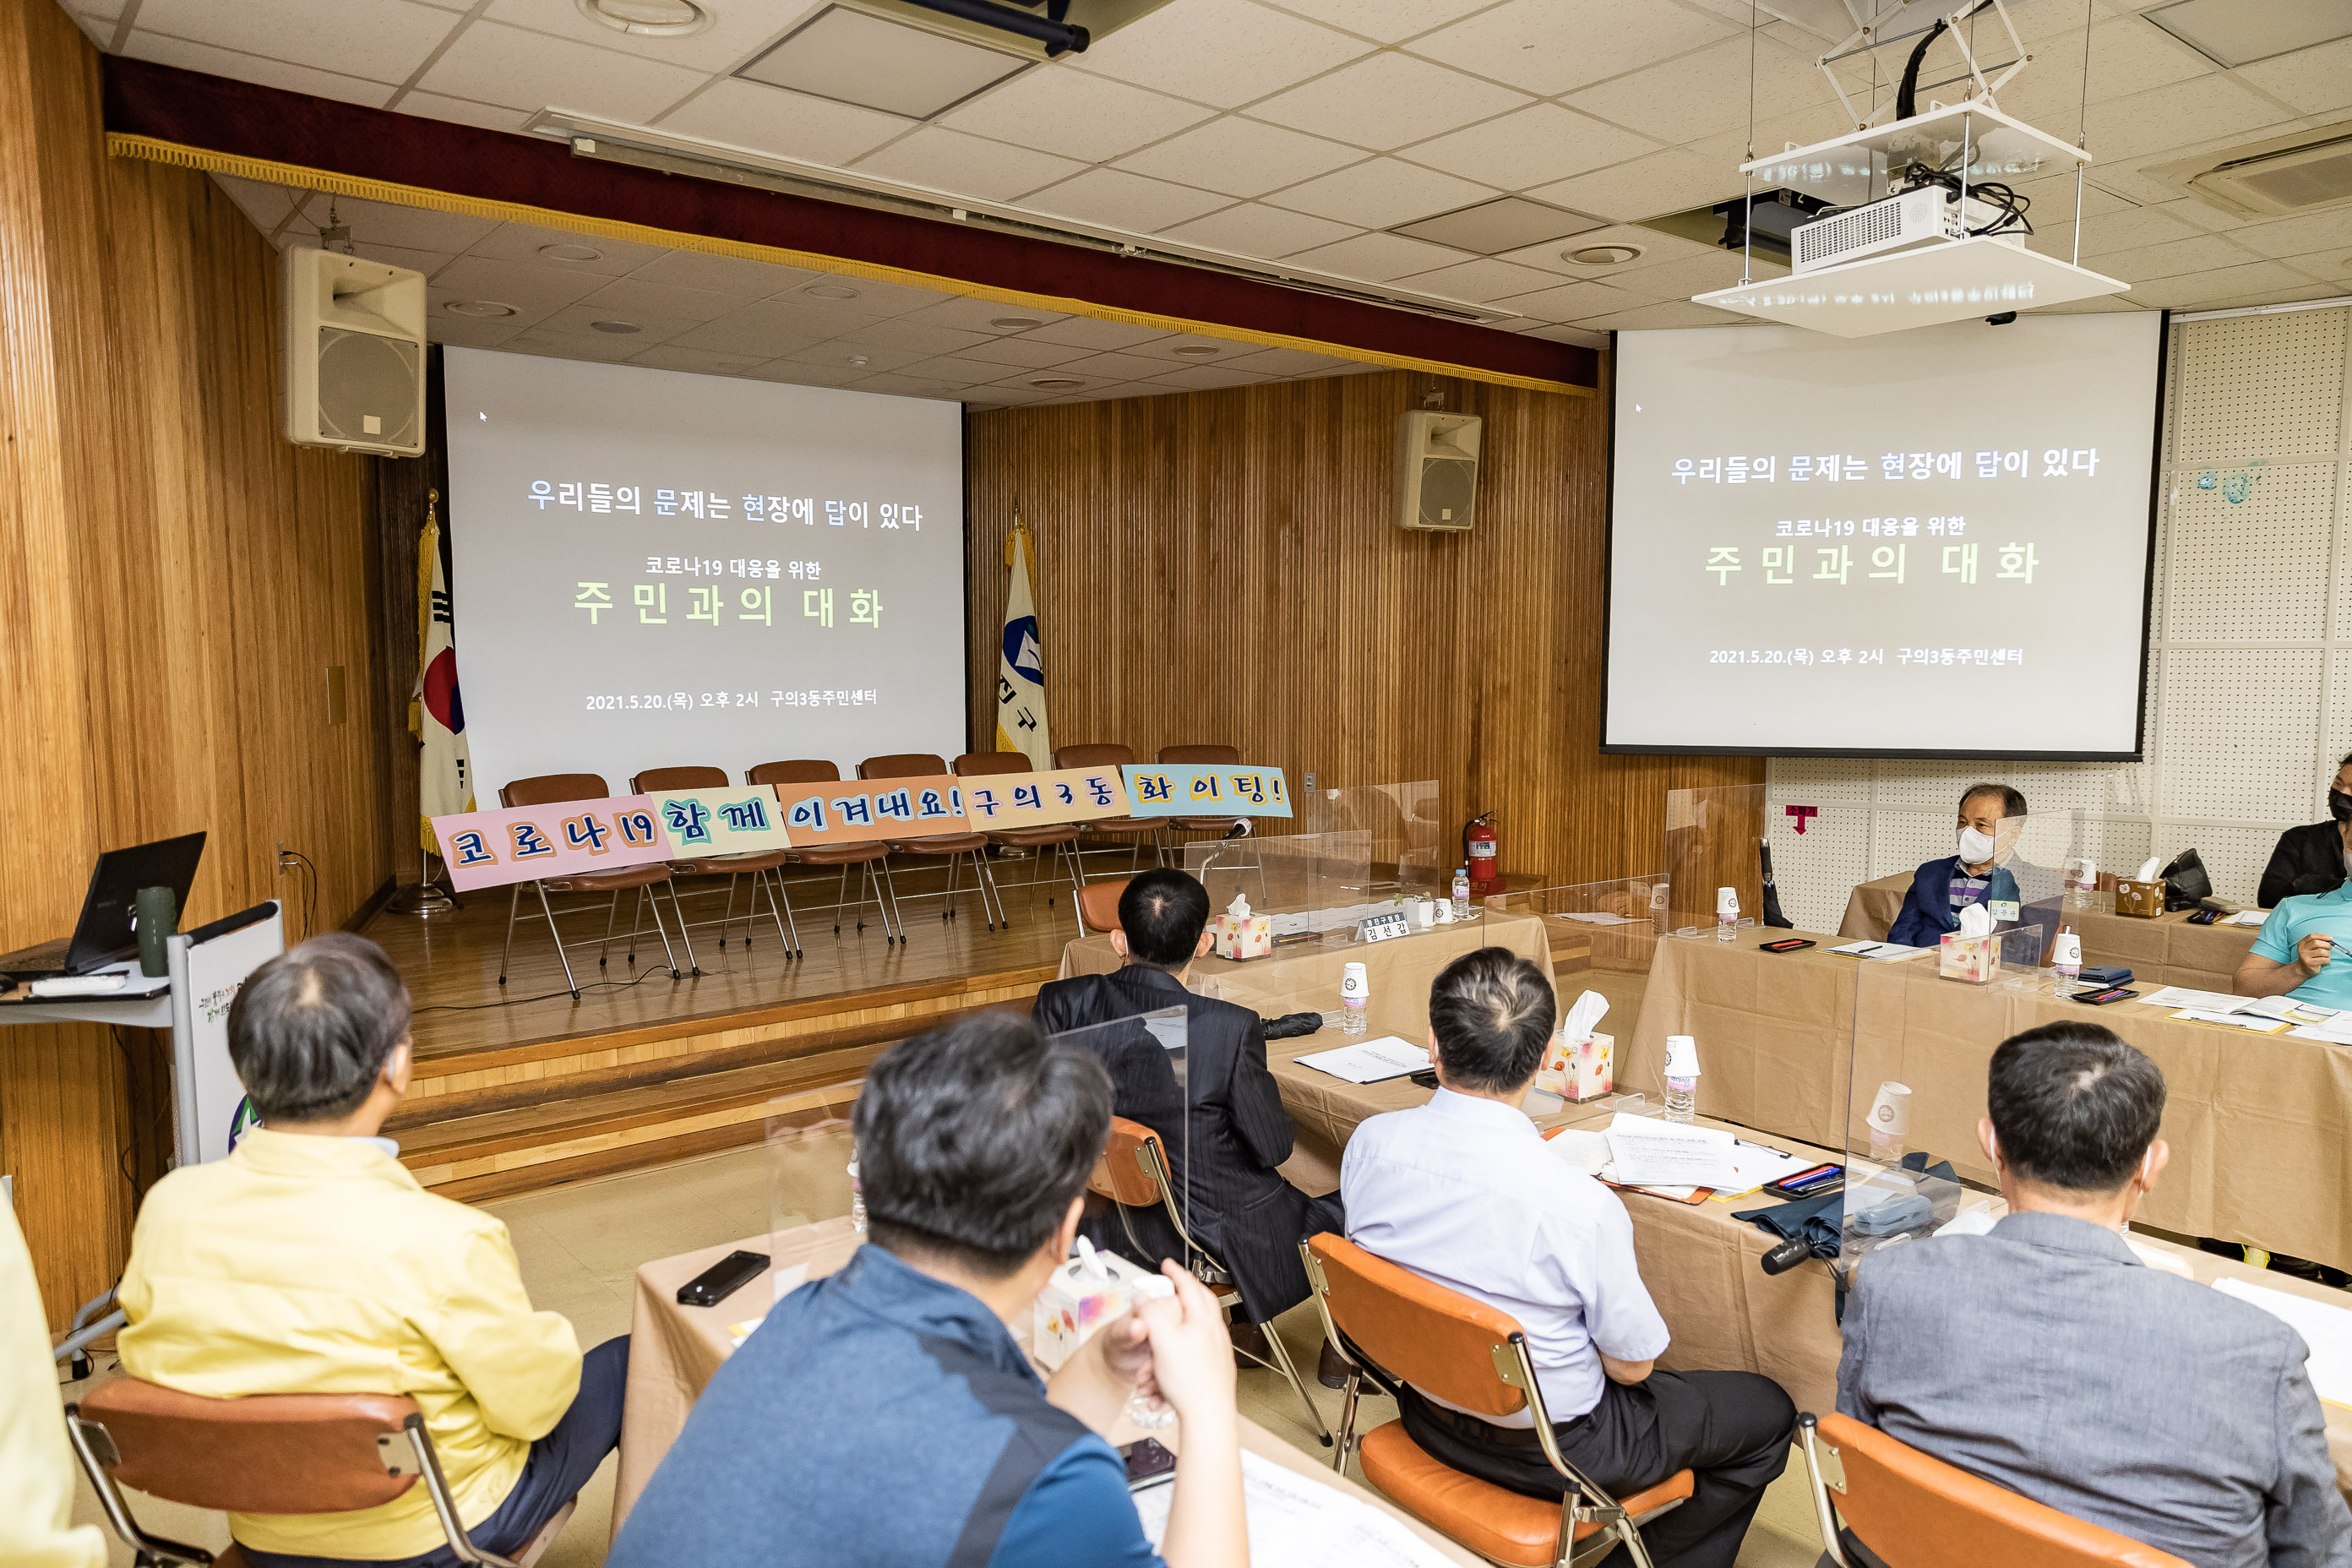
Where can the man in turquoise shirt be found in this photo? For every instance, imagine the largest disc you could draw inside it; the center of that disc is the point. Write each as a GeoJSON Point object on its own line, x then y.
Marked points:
{"type": "Point", "coordinates": [2293, 952]}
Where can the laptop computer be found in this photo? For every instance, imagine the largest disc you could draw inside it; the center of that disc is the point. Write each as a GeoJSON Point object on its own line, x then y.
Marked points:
{"type": "Point", "coordinates": [104, 933]}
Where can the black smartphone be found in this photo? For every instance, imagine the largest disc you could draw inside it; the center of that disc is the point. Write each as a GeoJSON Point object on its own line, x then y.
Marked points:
{"type": "Point", "coordinates": [722, 1280]}
{"type": "Point", "coordinates": [1426, 1079]}
{"type": "Point", "coordinates": [1787, 944]}
{"type": "Point", "coordinates": [1147, 1463]}
{"type": "Point", "coordinates": [1809, 1184]}
{"type": "Point", "coordinates": [2204, 917]}
{"type": "Point", "coordinates": [2101, 998]}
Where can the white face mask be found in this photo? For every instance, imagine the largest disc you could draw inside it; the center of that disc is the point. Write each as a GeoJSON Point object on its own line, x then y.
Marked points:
{"type": "Point", "coordinates": [1976, 847]}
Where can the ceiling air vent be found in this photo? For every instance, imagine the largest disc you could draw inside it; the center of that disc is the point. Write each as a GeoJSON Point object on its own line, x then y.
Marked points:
{"type": "Point", "coordinates": [2302, 172]}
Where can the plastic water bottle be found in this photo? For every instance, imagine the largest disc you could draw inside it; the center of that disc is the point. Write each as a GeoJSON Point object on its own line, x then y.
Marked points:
{"type": "Point", "coordinates": [857, 1201]}
{"type": "Point", "coordinates": [1462, 893]}
{"type": "Point", "coordinates": [1355, 999]}
{"type": "Point", "coordinates": [2066, 962]}
{"type": "Point", "coordinates": [1727, 914]}
{"type": "Point", "coordinates": [1682, 1077]}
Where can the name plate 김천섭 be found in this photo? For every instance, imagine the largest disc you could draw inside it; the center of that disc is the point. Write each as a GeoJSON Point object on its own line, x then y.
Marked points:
{"type": "Point", "coordinates": [1200, 789]}
{"type": "Point", "coordinates": [854, 810]}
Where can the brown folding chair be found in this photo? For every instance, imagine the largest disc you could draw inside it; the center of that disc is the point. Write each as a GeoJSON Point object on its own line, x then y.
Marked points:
{"type": "Point", "coordinates": [1062, 838]}
{"type": "Point", "coordinates": [1098, 905]}
{"type": "Point", "coordinates": [1134, 832]}
{"type": "Point", "coordinates": [550, 789]}
{"type": "Point", "coordinates": [1206, 756]}
{"type": "Point", "coordinates": [1134, 1173]}
{"type": "Point", "coordinates": [870, 855]}
{"type": "Point", "coordinates": [950, 847]}
{"type": "Point", "coordinates": [1396, 1325]}
{"type": "Point", "coordinates": [266, 1453]}
{"type": "Point", "coordinates": [759, 866]}
{"type": "Point", "coordinates": [1916, 1512]}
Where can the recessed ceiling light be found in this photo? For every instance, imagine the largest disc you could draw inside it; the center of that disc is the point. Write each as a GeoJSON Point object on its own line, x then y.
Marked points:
{"type": "Point", "coordinates": [830, 291]}
{"type": "Point", "coordinates": [1603, 254]}
{"type": "Point", "coordinates": [648, 19]}
{"type": "Point", "coordinates": [1015, 323]}
{"type": "Point", "coordinates": [1056, 383]}
{"type": "Point", "coordinates": [477, 307]}
{"type": "Point", "coordinates": [1198, 351]}
{"type": "Point", "coordinates": [616, 328]}
{"type": "Point", "coordinates": [570, 253]}
{"type": "Point", "coordinates": [859, 359]}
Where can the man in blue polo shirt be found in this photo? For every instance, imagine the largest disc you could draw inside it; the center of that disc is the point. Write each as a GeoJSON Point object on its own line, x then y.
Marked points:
{"type": "Point", "coordinates": [2295, 950]}
{"type": "Point", "coordinates": [883, 1416]}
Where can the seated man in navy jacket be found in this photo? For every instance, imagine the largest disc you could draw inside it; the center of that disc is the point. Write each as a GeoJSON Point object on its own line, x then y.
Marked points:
{"type": "Point", "coordinates": [1986, 871]}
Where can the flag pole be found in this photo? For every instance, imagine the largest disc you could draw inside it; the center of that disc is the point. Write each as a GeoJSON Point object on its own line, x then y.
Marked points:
{"type": "Point", "coordinates": [426, 900]}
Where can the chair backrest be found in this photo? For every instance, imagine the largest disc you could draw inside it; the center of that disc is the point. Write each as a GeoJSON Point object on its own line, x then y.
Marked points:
{"type": "Point", "coordinates": [1440, 1341]}
{"type": "Point", "coordinates": [548, 789]}
{"type": "Point", "coordinates": [1098, 904]}
{"type": "Point", "coordinates": [654, 779]}
{"type": "Point", "coordinates": [806, 769]}
{"type": "Point", "coordinates": [976, 764]}
{"type": "Point", "coordinates": [266, 1453]}
{"type": "Point", "coordinates": [1208, 756]}
{"type": "Point", "coordinates": [903, 765]}
{"type": "Point", "coordinates": [1917, 1511]}
{"type": "Point", "coordinates": [1121, 1176]}
{"type": "Point", "coordinates": [1096, 756]}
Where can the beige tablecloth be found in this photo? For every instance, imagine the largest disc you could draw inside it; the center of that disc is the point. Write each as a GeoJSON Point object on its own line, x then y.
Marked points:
{"type": "Point", "coordinates": [2166, 950]}
{"type": "Point", "coordinates": [2258, 1123]}
{"type": "Point", "coordinates": [674, 1352]}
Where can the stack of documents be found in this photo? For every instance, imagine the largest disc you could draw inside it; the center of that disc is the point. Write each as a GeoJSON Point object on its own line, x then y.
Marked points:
{"type": "Point", "coordinates": [1880, 952]}
{"type": "Point", "coordinates": [2326, 1329]}
{"type": "Point", "coordinates": [1374, 1062]}
{"type": "Point", "coordinates": [2259, 1014]}
{"type": "Point", "coordinates": [1304, 1521]}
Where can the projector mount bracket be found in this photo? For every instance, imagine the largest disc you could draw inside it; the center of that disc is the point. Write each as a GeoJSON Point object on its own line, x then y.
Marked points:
{"type": "Point", "coordinates": [1867, 38]}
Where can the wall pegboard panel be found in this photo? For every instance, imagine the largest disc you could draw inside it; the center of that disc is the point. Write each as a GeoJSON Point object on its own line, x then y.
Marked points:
{"type": "Point", "coordinates": [2250, 679]}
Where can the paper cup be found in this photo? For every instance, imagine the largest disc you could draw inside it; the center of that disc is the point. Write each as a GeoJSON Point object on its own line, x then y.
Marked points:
{"type": "Point", "coordinates": [1890, 1113]}
{"type": "Point", "coordinates": [1354, 984]}
{"type": "Point", "coordinates": [1727, 900]}
{"type": "Point", "coordinates": [1682, 1057]}
{"type": "Point", "coordinates": [2067, 949]}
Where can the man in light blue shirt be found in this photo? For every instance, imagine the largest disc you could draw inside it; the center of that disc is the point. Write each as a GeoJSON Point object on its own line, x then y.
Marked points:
{"type": "Point", "coordinates": [2295, 950]}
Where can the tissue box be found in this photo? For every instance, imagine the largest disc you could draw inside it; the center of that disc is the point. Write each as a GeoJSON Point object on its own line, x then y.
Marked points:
{"type": "Point", "coordinates": [1975, 959]}
{"type": "Point", "coordinates": [1251, 936]}
{"type": "Point", "coordinates": [1076, 1300]}
{"type": "Point", "coordinates": [1585, 1071]}
{"type": "Point", "coordinates": [2143, 901]}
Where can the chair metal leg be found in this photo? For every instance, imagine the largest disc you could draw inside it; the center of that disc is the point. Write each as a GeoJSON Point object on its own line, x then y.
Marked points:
{"type": "Point", "coordinates": [990, 890]}
{"type": "Point", "coordinates": [611, 912]}
{"type": "Point", "coordinates": [946, 905]}
{"type": "Point", "coordinates": [729, 918]}
{"type": "Point", "coordinates": [637, 924]}
{"type": "Point", "coordinates": [890, 888]}
{"type": "Point", "coordinates": [660, 927]}
{"type": "Point", "coordinates": [1077, 882]}
{"type": "Point", "coordinates": [1347, 1444]}
{"type": "Point", "coordinates": [1282, 1358]}
{"type": "Point", "coordinates": [773, 880]}
{"type": "Point", "coordinates": [556, 937]}
{"type": "Point", "coordinates": [693, 968]}
{"type": "Point", "coordinates": [513, 901]}
{"type": "Point", "coordinates": [841, 899]}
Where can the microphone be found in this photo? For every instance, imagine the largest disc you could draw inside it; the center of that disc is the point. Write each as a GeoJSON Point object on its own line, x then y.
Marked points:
{"type": "Point", "coordinates": [1788, 1255]}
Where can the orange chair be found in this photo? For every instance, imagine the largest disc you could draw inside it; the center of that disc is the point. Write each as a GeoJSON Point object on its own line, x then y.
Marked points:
{"type": "Point", "coordinates": [1396, 1325]}
{"type": "Point", "coordinates": [871, 855]}
{"type": "Point", "coordinates": [1134, 1173]}
{"type": "Point", "coordinates": [1134, 832]}
{"type": "Point", "coordinates": [549, 789]}
{"type": "Point", "coordinates": [266, 1453]}
{"type": "Point", "coordinates": [1098, 905]}
{"type": "Point", "coordinates": [1917, 1511]}
{"type": "Point", "coordinates": [1061, 837]}
{"type": "Point", "coordinates": [759, 866]}
{"type": "Point", "coordinates": [951, 846]}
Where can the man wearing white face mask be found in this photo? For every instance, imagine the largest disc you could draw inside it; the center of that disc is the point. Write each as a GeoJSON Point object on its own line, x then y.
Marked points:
{"type": "Point", "coordinates": [2046, 1358]}
{"type": "Point", "coordinates": [1990, 817]}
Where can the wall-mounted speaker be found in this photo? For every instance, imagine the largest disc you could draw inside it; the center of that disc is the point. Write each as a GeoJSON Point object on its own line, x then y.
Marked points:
{"type": "Point", "coordinates": [353, 361]}
{"type": "Point", "coordinates": [1437, 471]}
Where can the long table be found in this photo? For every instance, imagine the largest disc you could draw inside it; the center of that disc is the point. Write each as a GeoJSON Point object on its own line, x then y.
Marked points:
{"type": "Point", "coordinates": [2258, 1123]}
{"type": "Point", "coordinates": [674, 1350]}
{"type": "Point", "coordinates": [2166, 951]}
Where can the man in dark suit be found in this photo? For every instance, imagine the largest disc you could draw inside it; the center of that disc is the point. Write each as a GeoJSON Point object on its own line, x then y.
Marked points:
{"type": "Point", "coordinates": [1223, 1120]}
{"type": "Point", "coordinates": [1987, 871]}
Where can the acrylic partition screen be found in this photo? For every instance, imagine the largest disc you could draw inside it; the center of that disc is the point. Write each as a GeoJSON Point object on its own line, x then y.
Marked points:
{"type": "Point", "coordinates": [1308, 884]}
{"type": "Point", "coordinates": [1410, 847]}
{"type": "Point", "coordinates": [811, 1157]}
{"type": "Point", "coordinates": [1141, 1202]}
{"type": "Point", "coordinates": [1711, 842]}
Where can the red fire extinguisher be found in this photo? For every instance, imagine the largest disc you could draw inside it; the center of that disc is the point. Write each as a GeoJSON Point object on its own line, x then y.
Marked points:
{"type": "Point", "coordinates": [1478, 847]}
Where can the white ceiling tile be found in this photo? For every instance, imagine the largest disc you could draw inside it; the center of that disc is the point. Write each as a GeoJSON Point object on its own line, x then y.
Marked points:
{"type": "Point", "coordinates": [1387, 101]}
{"type": "Point", "coordinates": [908, 386]}
{"type": "Point", "coordinates": [736, 31]}
{"type": "Point", "coordinates": [168, 51]}
{"type": "Point", "coordinates": [269, 207]}
{"type": "Point", "coordinates": [868, 295]}
{"type": "Point", "coordinates": [2127, 229]}
{"type": "Point", "coordinates": [1548, 47]}
{"type": "Point", "coordinates": [1573, 301]}
{"type": "Point", "coordinates": [2316, 80]}
{"type": "Point", "coordinates": [1670, 313]}
{"type": "Point", "coordinates": [785, 123]}
{"type": "Point", "coordinates": [1024, 352]}
{"type": "Point", "coordinates": [1286, 362]}
{"type": "Point", "coordinates": [528, 243]}
{"type": "Point", "coordinates": [1386, 21]}
{"type": "Point", "coordinates": [1680, 278]}
{"type": "Point", "coordinates": [1580, 337]}
{"type": "Point", "coordinates": [2183, 115]}
{"type": "Point", "coordinates": [799, 374]}
{"type": "Point", "coordinates": [865, 359]}
{"type": "Point", "coordinates": [468, 333]}
{"type": "Point", "coordinates": [388, 222]}
{"type": "Point", "coordinates": [1646, 188]}
{"type": "Point", "coordinates": [1003, 396]}
{"type": "Point", "coordinates": [425, 261]}
{"type": "Point", "coordinates": [700, 362]}
{"type": "Point", "coordinates": [2256, 280]}
{"type": "Point", "coordinates": [1240, 157]}
{"type": "Point", "coordinates": [1537, 144]}
{"type": "Point", "coordinates": [1224, 52]}
{"type": "Point", "coordinates": [2297, 235]}
{"type": "Point", "coordinates": [381, 41]}
{"type": "Point", "coordinates": [1706, 91]}
{"type": "Point", "coordinates": [975, 315]}
{"type": "Point", "coordinates": [957, 369]}
{"type": "Point", "coordinates": [2199, 253]}
{"type": "Point", "coordinates": [1381, 192]}
{"type": "Point", "coordinates": [1120, 200]}
{"type": "Point", "coordinates": [463, 111]}
{"type": "Point", "coordinates": [929, 340]}
{"type": "Point", "coordinates": [576, 345]}
{"type": "Point", "coordinates": [1551, 255]}
{"type": "Point", "coordinates": [1479, 281]}
{"type": "Point", "coordinates": [1267, 232]}
{"type": "Point", "coordinates": [2128, 56]}
{"type": "Point", "coordinates": [767, 327]}
{"type": "Point", "coordinates": [494, 64]}
{"type": "Point", "coordinates": [1131, 389]}
{"type": "Point", "coordinates": [1086, 332]}
{"type": "Point", "coordinates": [1074, 115]}
{"type": "Point", "coordinates": [640, 295]}
{"type": "Point", "coordinates": [535, 292]}
{"type": "Point", "coordinates": [947, 160]}
{"type": "Point", "coordinates": [652, 327]}
{"type": "Point", "coordinates": [1209, 377]}
{"type": "Point", "coordinates": [1378, 257]}
{"type": "Point", "coordinates": [738, 275]}
{"type": "Point", "coordinates": [1114, 367]}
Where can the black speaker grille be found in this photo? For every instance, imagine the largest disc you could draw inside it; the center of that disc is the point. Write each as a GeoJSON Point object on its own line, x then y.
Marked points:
{"type": "Point", "coordinates": [363, 376]}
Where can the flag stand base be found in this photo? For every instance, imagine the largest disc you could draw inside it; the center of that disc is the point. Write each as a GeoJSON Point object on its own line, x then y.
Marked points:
{"type": "Point", "coordinates": [424, 900]}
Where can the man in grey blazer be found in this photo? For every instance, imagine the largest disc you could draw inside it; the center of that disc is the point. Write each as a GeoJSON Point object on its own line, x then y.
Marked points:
{"type": "Point", "coordinates": [2046, 1357]}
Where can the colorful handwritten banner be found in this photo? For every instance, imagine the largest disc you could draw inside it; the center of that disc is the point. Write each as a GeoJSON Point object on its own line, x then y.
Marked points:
{"type": "Point", "coordinates": [861, 810]}
{"type": "Point", "coordinates": [747, 819]}
{"type": "Point", "coordinates": [564, 838]}
{"type": "Point", "coordinates": [998, 801]}
{"type": "Point", "coordinates": [1195, 789]}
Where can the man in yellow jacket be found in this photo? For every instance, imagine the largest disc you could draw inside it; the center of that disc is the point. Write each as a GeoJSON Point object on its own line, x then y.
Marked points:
{"type": "Point", "coordinates": [309, 1261]}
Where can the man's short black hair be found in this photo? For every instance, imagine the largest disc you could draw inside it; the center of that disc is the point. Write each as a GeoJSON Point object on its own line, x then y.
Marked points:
{"type": "Point", "coordinates": [972, 1140]}
{"type": "Point", "coordinates": [1491, 1012]}
{"type": "Point", "coordinates": [2073, 1106]}
{"type": "Point", "coordinates": [1163, 912]}
{"type": "Point", "coordinates": [311, 1030]}
{"type": "Point", "coordinates": [2012, 803]}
